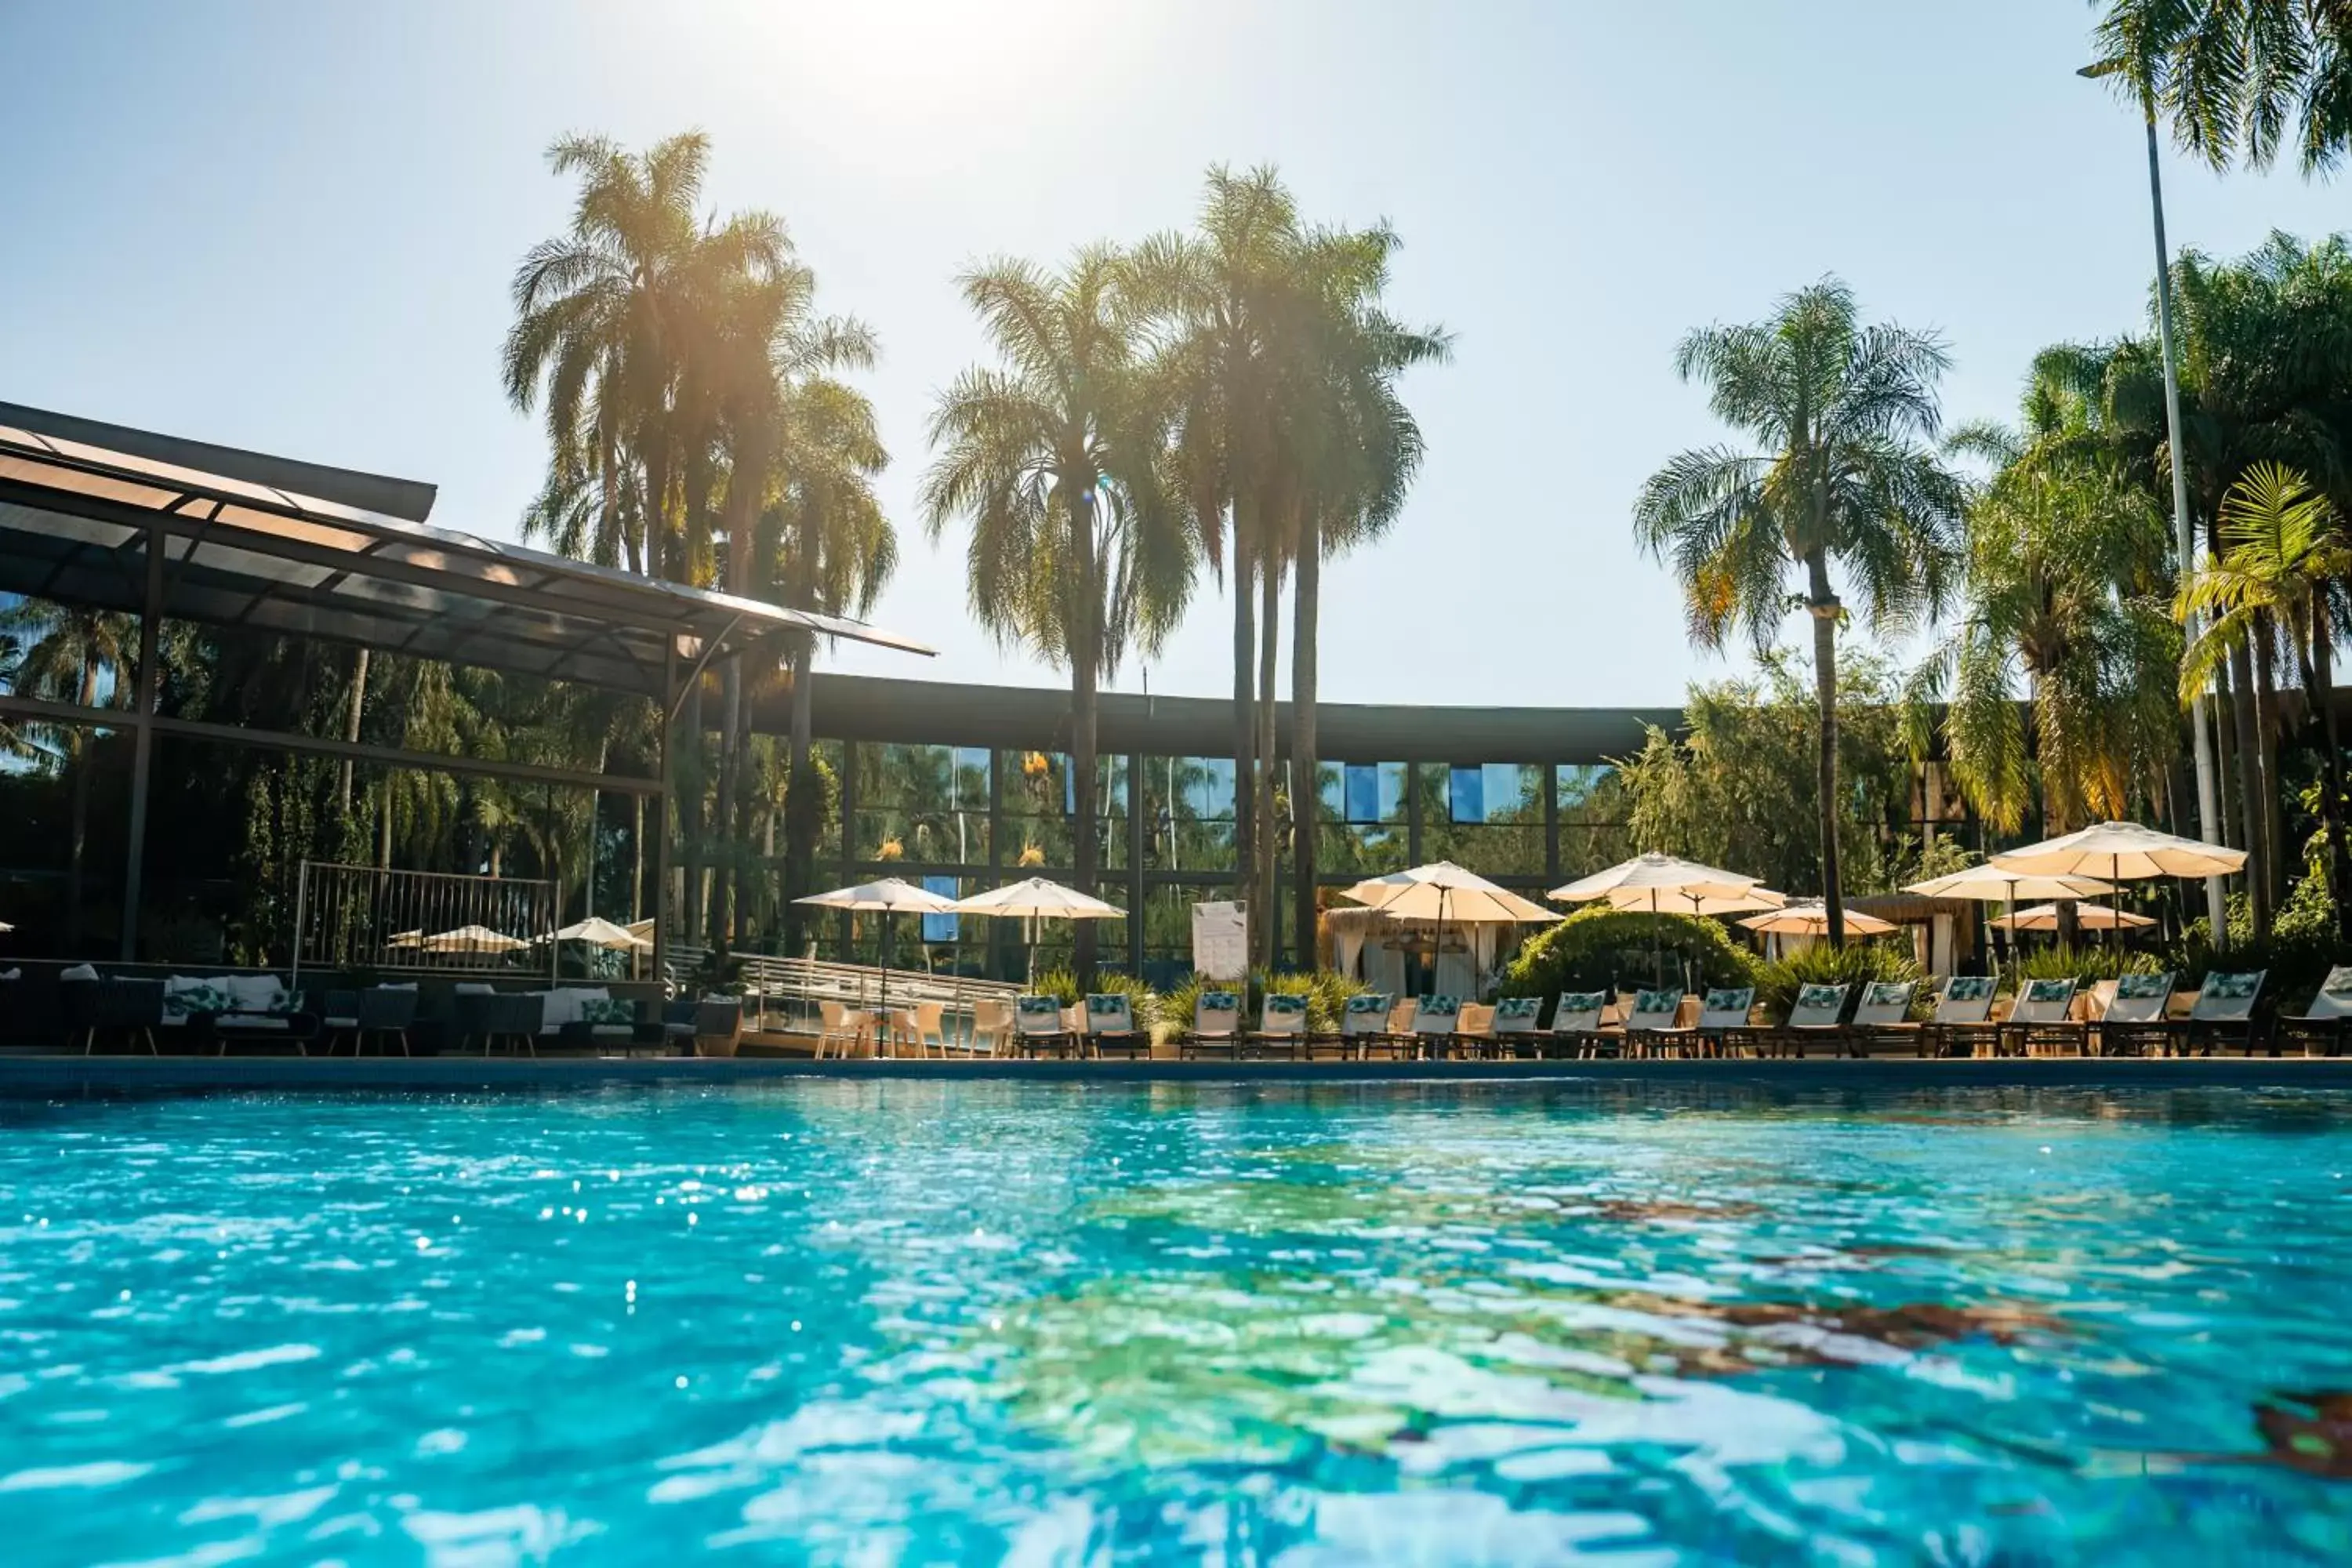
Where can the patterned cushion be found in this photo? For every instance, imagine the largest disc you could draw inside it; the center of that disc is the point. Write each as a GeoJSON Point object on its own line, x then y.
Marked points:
{"type": "Point", "coordinates": [1582, 1001]}
{"type": "Point", "coordinates": [1040, 1010]}
{"type": "Point", "coordinates": [1220, 1002]}
{"type": "Point", "coordinates": [1819, 998]}
{"type": "Point", "coordinates": [2045, 992]}
{"type": "Point", "coordinates": [1440, 1007]}
{"type": "Point", "coordinates": [1729, 1000]}
{"type": "Point", "coordinates": [1106, 1010]}
{"type": "Point", "coordinates": [1517, 1007]}
{"type": "Point", "coordinates": [2233, 987]}
{"type": "Point", "coordinates": [1967, 988]}
{"type": "Point", "coordinates": [1285, 1005]}
{"type": "Point", "coordinates": [1656, 1001]}
{"type": "Point", "coordinates": [2339, 981]}
{"type": "Point", "coordinates": [1887, 994]}
{"type": "Point", "coordinates": [2142, 987]}
{"type": "Point", "coordinates": [1368, 1002]}
{"type": "Point", "coordinates": [607, 1010]}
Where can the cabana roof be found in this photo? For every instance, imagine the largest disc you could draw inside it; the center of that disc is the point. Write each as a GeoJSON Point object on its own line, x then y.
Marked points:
{"type": "Point", "coordinates": [75, 517]}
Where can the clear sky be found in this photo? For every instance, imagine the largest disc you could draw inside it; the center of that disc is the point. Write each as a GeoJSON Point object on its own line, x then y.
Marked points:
{"type": "Point", "coordinates": [292, 225]}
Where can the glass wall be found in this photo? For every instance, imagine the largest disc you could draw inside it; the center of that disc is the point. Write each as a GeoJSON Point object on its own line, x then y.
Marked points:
{"type": "Point", "coordinates": [1363, 826]}
{"type": "Point", "coordinates": [922, 804]}
{"type": "Point", "coordinates": [1188, 805]}
{"type": "Point", "coordinates": [1488, 818]}
{"type": "Point", "coordinates": [1593, 835]}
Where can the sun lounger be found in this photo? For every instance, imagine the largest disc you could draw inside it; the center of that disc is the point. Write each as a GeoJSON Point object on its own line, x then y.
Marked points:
{"type": "Point", "coordinates": [2224, 1013]}
{"type": "Point", "coordinates": [1039, 1027]}
{"type": "Point", "coordinates": [1649, 1024]}
{"type": "Point", "coordinates": [1883, 1019]}
{"type": "Point", "coordinates": [1963, 1018]}
{"type": "Point", "coordinates": [1435, 1020]}
{"type": "Point", "coordinates": [1816, 1015]}
{"type": "Point", "coordinates": [2041, 1024]}
{"type": "Point", "coordinates": [1576, 1026]}
{"type": "Point", "coordinates": [1364, 1019]}
{"type": "Point", "coordinates": [1514, 1028]}
{"type": "Point", "coordinates": [2134, 1013]}
{"type": "Point", "coordinates": [1281, 1026]}
{"type": "Point", "coordinates": [1111, 1026]}
{"type": "Point", "coordinates": [2325, 1021]}
{"type": "Point", "coordinates": [1723, 1019]}
{"type": "Point", "coordinates": [1216, 1025]}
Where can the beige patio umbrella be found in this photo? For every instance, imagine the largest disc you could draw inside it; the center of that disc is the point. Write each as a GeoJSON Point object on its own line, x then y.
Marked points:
{"type": "Point", "coordinates": [1443, 891]}
{"type": "Point", "coordinates": [887, 898]}
{"type": "Point", "coordinates": [602, 932]}
{"type": "Point", "coordinates": [1989, 884]}
{"type": "Point", "coordinates": [2092, 917]}
{"type": "Point", "coordinates": [1036, 899]}
{"type": "Point", "coordinates": [1812, 918]}
{"type": "Point", "coordinates": [1668, 885]}
{"type": "Point", "coordinates": [2122, 851]}
{"type": "Point", "coordinates": [472, 938]}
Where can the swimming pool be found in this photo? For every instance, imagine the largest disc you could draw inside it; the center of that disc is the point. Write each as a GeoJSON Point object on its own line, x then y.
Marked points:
{"type": "Point", "coordinates": [834, 1321]}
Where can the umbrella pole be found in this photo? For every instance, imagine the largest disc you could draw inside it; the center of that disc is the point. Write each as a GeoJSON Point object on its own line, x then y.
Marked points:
{"type": "Point", "coordinates": [1658, 943]}
{"type": "Point", "coordinates": [2116, 921]}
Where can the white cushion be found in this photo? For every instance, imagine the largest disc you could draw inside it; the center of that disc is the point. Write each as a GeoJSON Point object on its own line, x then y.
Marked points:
{"type": "Point", "coordinates": [12, 975]}
{"type": "Point", "coordinates": [79, 971]}
{"type": "Point", "coordinates": [255, 992]}
{"type": "Point", "coordinates": [463, 988]}
{"type": "Point", "coordinates": [561, 1005]}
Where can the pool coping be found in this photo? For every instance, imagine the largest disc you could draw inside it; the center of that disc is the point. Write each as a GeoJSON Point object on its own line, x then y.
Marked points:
{"type": "Point", "coordinates": [44, 1075]}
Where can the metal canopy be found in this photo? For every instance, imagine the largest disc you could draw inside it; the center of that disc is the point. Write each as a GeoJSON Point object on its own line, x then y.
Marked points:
{"type": "Point", "coordinates": [74, 518]}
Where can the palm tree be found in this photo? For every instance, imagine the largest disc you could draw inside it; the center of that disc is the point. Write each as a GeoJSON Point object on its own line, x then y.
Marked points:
{"type": "Point", "coordinates": [1844, 415]}
{"type": "Point", "coordinates": [830, 549]}
{"type": "Point", "coordinates": [2065, 596]}
{"type": "Point", "coordinates": [1222, 308]}
{"type": "Point", "coordinates": [2284, 553]}
{"type": "Point", "coordinates": [2244, 77]}
{"type": "Point", "coordinates": [1355, 447]}
{"type": "Point", "coordinates": [1051, 457]}
{"type": "Point", "coordinates": [66, 652]}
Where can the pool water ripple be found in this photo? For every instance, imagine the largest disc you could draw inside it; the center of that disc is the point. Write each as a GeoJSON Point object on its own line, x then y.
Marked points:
{"type": "Point", "coordinates": [831, 1322]}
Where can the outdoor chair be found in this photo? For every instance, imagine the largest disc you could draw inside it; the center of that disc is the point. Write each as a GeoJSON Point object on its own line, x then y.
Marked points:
{"type": "Point", "coordinates": [1216, 1025]}
{"type": "Point", "coordinates": [1723, 1020]}
{"type": "Point", "coordinates": [1434, 1021]}
{"type": "Point", "coordinates": [2041, 1024]}
{"type": "Point", "coordinates": [1396, 1039]}
{"type": "Point", "coordinates": [382, 1011]}
{"type": "Point", "coordinates": [2324, 1021]}
{"type": "Point", "coordinates": [1515, 1032]}
{"type": "Point", "coordinates": [134, 1008]}
{"type": "Point", "coordinates": [1281, 1026]}
{"type": "Point", "coordinates": [2224, 1013]}
{"type": "Point", "coordinates": [992, 1028]}
{"type": "Point", "coordinates": [2136, 1003]}
{"type": "Point", "coordinates": [1963, 1017]}
{"type": "Point", "coordinates": [927, 1027]}
{"type": "Point", "coordinates": [1576, 1026]}
{"type": "Point", "coordinates": [1883, 1017]}
{"type": "Point", "coordinates": [1363, 1019]}
{"type": "Point", "coordinates": [1650, 1025]}
{"type": "Point", "coordinates": [1039, 1027]}
{"type": "Point", "coordinates": [1817, 1014]}
{"type": "Point", "coordinates": [1109, 1026]}
{"type": "Point", "coordinates": [339, 1018]}
{"type": "Point", "coordinates": [512, 1018]}
{"type": "Point", "coordinates": [1474, 1033]}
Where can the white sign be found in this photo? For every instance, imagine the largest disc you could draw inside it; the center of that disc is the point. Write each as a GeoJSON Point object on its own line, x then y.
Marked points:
{"type": "Point", "coordinates": [1221, 940]}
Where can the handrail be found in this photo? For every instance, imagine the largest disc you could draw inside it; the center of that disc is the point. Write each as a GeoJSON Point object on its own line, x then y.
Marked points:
{"type": "Point", "coordinates": [794, 987]}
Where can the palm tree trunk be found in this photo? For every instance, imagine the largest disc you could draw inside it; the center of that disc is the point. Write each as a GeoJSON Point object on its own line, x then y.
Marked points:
{"type": "Point", "coordinates": [351, 734]}
{"type": "Point", "coordinates": [2246, 722]}
{"type": "Point", "coordinates": [1306, 794]}
{"type": "Point", "coordinates": [689, 816]}
{"type": "Point", "coordinates": [1244, 715]}
{"type": "Point", "coordinates": [79, 843]}
{"type": "Point", "coordinates": [2318, 680]}
{"type": "Point", "coordinates": [1269, 848]}
{"type": "Point", "coordinates": [1085, 664]}
{"type": "Point", "coordinates": [722, 819]}
{"type": "Point", "coordinates": [803, 799]}
{"type": "Point", "coordinates": [1824, 603]}
{"type": "Point", "coordinates": [637, 858]}
{"type": "Point", "coordinates": [2275, 868]}
{"type": "Point", "coordinates": [2225, 758]}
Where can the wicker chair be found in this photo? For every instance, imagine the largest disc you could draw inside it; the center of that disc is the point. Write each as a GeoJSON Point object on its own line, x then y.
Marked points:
{"type": "Point", "coordinates": [135, 1007]}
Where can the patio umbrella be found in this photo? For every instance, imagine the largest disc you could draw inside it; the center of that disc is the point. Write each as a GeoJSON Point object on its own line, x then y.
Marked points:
{"type": "Point", "coordinates": [603, 932]}
{"type": "Point", "coordinates": [2121, 851]}
{"type": "Point", "coordinates": [2095, 917]}
{"type": "Point", "coordinates": [1986, 884]}
{"type": "Point", "coordinates": [887, 897]}
{"type": "Point", "coordinates": [1036, 898]}
{"type": "Point", "coordinates": [471, 939]}
{"type": "Point", "coordinates": [1661, 884]}
{"type": "Point", "coordinates": [1812, 918]}
{"type": "Point", "coordinates": [1442, 892]}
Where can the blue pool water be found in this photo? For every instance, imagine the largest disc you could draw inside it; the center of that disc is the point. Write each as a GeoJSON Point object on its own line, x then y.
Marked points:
{"type": "Point", "coordinates": [832, 1321]}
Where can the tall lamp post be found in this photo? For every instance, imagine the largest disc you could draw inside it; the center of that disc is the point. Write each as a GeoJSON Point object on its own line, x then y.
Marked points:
{"type": "Point", "coordinates": [2208, 804]}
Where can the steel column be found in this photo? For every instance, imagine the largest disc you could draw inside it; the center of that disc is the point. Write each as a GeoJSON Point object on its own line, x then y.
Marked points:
{"type": "Point", "coordinates": [143, 752]}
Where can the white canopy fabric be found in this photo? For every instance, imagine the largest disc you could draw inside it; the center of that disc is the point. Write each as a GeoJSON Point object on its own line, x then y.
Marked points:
{"type": "Point", "coordinates": [1651, 900]}
{"type": "Point", "coordinates": [472, 938]}
{"type": "Point", "coordinates": [890, 894]}
{"type": "Point", "coordinates": [2090, 916]}
{"type": "Point", "coordinates": [1991, 884]}
{"type": "Point", "coordinates": [1037, 896]}
{"type": "Point", "coordinates": [1445, 892]}
{"type": "Point", "coordinates": [603, 932]}
{"type": "Point", "coordinates": [1812, 918]}
{"type": "Point", "coordinates": [2122, 851]}
{"type": "Point", "coordinates": [1663, 873]}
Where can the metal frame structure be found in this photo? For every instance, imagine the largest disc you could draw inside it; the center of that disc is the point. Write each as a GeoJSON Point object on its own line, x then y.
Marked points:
{"type": "Point", "coordinates": [128, 520]}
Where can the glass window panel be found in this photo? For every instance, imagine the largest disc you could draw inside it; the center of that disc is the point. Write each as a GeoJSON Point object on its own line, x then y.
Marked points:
{"type": "Point", "coordinates": [1189, 802]}
{"type": "Point", "coordinates": [1466, 796]}
{"type": "Point", "coordinates": [947, 927]}
{"type": "Point", "coordinates": [1374, 792]}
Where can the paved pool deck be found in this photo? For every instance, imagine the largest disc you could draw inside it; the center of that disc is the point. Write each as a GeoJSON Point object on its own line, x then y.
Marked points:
{"type": "Point", "coordinates": [44, 1076]}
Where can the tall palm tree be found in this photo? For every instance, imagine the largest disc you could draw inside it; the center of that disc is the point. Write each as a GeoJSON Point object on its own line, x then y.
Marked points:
{"type": "Point", "coordinates": [1051, 457]}
{"type": "Point", "coordinates": [2284, 554]}
{"type": "Point", "coordinates": [66, 652]}
{"type": "Point", "coordinates": [829, 549]}
{"type": "Point", "coordinates": [1221, 306]}
{"type": "Point", "coordinates": [1355, 447]}
{"type": "Point", "coordinates": [1846, 476]}
{"type": "Point", "coordinates": [2243, 79]}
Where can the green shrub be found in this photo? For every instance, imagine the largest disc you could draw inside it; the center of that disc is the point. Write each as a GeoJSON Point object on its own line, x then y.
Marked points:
{"type": "Point", "coordinates": [1856, 965]}
{"type": "Point", "coordinates": [1596, 949]}
{"type": "Point", "coordinates": [2084, 965]}
{"type": "Point", "coordinates": [1326, 992]}
{"type": "Point", "coordinates": [1063, 986]}
{"type": "Point", "coordinates": [1059, 984]}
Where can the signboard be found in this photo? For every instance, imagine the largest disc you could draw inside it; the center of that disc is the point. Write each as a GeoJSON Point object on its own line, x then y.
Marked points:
{"type": "Point", "coordinates": [1221, 940]}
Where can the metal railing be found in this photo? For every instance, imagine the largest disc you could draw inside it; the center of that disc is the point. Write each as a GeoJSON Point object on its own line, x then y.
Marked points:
{"type": "Point", "coordinates": [382, 919]}
{"type": "Point", "coordinates": [785, 995]}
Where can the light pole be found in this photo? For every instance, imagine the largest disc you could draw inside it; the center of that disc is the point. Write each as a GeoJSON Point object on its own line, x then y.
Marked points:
{"type": "Point", "coordinates": [2209, 805]}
